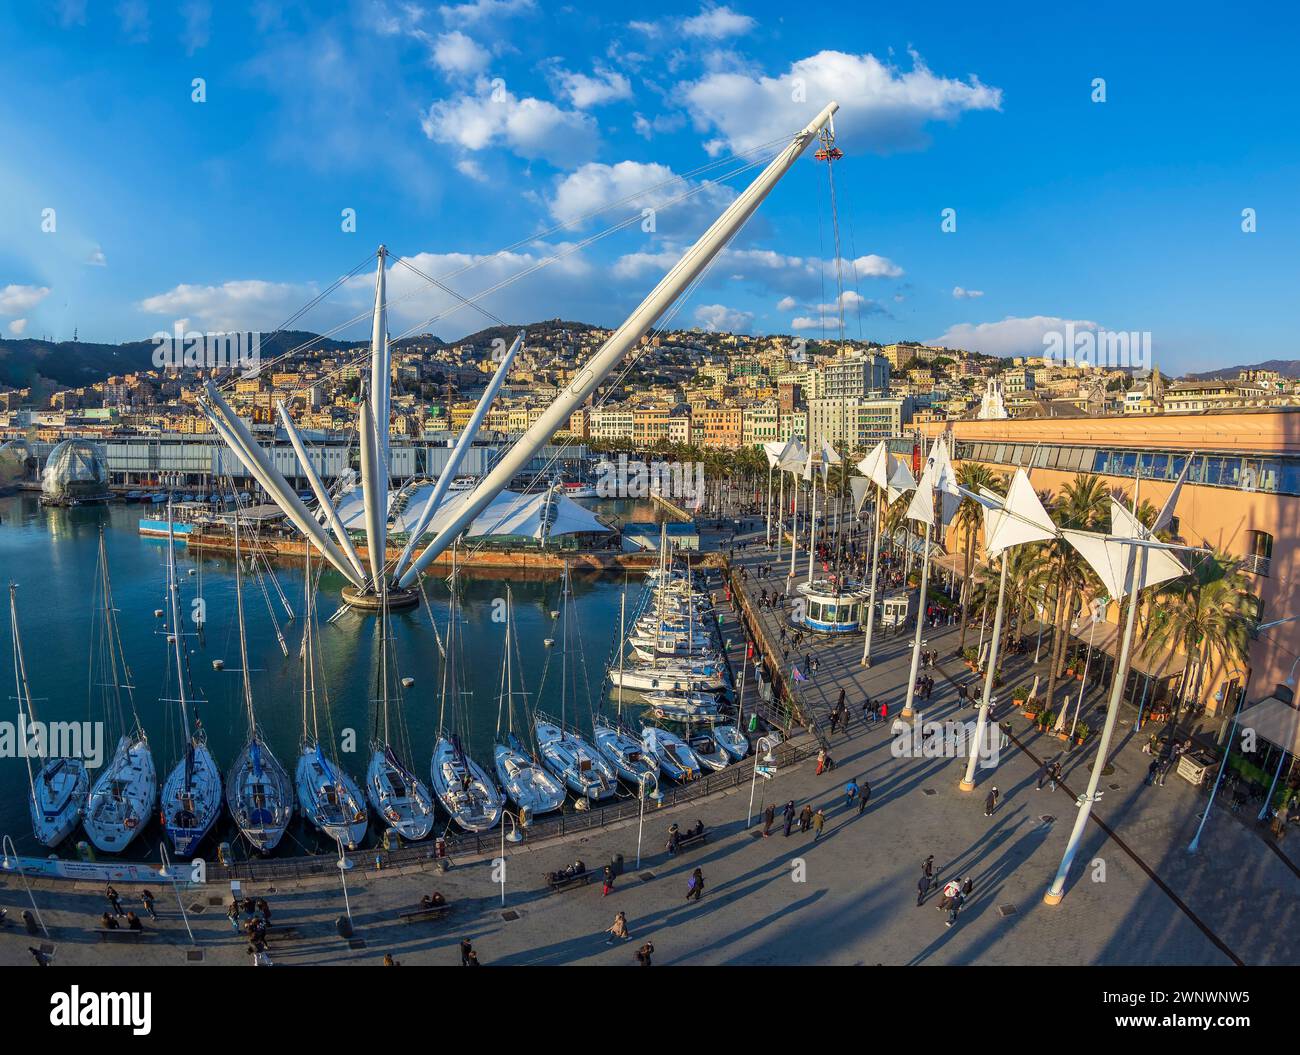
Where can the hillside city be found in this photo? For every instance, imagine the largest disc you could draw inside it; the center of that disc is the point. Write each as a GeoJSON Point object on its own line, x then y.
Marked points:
{"type": "Point", "coordinates": [722, 391]}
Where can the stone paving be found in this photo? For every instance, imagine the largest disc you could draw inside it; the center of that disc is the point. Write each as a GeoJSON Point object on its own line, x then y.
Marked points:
{"type": "Point", "coordinates": [846, 898]}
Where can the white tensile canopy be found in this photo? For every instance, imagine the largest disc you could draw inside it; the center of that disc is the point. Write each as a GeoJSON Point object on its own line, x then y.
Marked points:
{"type": "Point", "coordinates": [510, 513]}
{"type": "Point", "coordinates": [1017, 519]}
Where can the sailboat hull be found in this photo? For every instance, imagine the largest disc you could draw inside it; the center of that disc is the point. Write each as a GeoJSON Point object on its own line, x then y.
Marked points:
{"type": "Point", "coordinates": [123, 798]}
{"type": "Point", "coordinates": [330, 799]}
{"type": "Point", "coordinates": [189, 812]}
{"type": "Point", "coordinates": [463, 787]}
{"type": "Point", "coordinates": [402, 802]}
{"type": "Point", "coordinates": [529, 786]}
{"type": "Point", "coordinates": [58, 794]}
{"type": "Point", "coordinates": [576, 762]}
{"type": "Point", "coordinates": [627, 756]}
{"type": "Point", "coordinates": [259, 795]}
{"type": "Point", "coordinates": [675, 758]}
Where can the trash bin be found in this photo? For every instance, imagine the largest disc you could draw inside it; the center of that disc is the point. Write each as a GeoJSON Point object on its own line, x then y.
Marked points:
{"type": "Point", "coordinates": [343, 927]}
{"type": "Point", "coordinates": [616, 865]}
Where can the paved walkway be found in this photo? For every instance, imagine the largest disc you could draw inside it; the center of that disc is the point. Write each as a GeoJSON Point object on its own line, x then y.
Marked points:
{"type": "Point", "coordinates": [847, 898]}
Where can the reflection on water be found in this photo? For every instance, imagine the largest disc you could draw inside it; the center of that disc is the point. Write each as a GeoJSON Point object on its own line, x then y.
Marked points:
{"type": "Point", "coordinates": [51, 554]}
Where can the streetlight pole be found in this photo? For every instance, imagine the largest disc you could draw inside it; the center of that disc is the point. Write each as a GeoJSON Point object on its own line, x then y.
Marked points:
{"type": "Point", "coordinates": [875, 561]}
{"type": "Point", "coordinates": [14, 861]}
{"type": "Point", "coordinates": [1195, 844]}
{"type": "Point", "coordinates": [514, 837]}
{"type": "Point", "coordinates": [169, 872]}
{"type": "Point", "coordinates": [343, 864]}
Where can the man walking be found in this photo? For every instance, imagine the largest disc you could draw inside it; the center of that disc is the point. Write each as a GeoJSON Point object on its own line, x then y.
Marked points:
{"type": "Point", "coordinates": [805, 818]}
{"type": "Point", "coordinates": [147, 899]}
{"type": "Point", "coordinates": [789, 817]}
{"type": "Point", "coordinates": [991, 802]}
{"type": "Point", "coordinates": [115, 901]}
{"type": "Point", "coordinates": [695, 885]}
{"type": "Point", "coordinates": [769, 816]}
{"type": "Point", "coordinates": [818, 823]}
{"type": "Point", "coordinates": [864, 793]}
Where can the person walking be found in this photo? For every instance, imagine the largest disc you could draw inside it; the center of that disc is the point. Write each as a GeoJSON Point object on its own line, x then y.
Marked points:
{"type": "Point", "coordinates": [922, 888]}
{"type": "Point", "coordinates": [769, 817]}
{"type": "Point", "coordinates": [954, 906]}
{"type": "Point", "coordinates": [695, 885]}
{"type": "Point", "coordinates": [927, 869]}
{"type": "Point", "coordinates": [789, 817]}
{"type": "Point", "coordinates": [618, 929]}
{"type": "Point", "coordinates": [991, 802]}
{"type": "Point", "coordinates": [644, 953]}
{"type": "Point", "coordinates": [850, 793]}
{"type": "Point", "coordinates": [42, 959]}
{"type": "Point", "coordinates": [466, 950]}
{"type": "Point", "coordinates": [864, 793]}
{"type": "Point", "coordinates": [133, 922]}
{"type": "Point", "coordinates": [608, 883]}
{"type": "Point", "coordinates": [146, 898]}
{"type": "Point", "coordinates": [1043, 771]}
{"type": "Point", "coordinates": [1053, 775]}
{"type": "Point", "coordinates": [805, 818]}
{"type": "Point", "coordinates": [114, 900]}
{"type": "Point", "coordinates": [818, 823]}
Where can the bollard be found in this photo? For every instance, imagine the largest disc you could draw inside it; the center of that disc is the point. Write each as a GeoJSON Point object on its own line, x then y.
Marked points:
{"type": "Point", "coordinates": [29, 921]}
{"type": "Point", "coordinates": [343, 927]}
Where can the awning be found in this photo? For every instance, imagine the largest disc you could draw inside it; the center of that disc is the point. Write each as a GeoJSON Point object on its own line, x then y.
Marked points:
{"type": "Point", "coordinates": [510, 513]}
{"type": "Point", "coordinates": [1106, 637]}
{"type": "Point", "coordinates": [1274, 721]}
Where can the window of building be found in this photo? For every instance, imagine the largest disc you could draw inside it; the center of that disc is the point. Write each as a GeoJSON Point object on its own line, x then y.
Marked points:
{"type": "Point", "coordinates": [1259, 552]}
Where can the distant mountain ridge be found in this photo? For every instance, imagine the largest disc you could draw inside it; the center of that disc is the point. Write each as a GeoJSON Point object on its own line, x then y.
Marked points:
{"type": "Point", "coordinates": [1285, 367]}
{"type": "Point", "coordinates": [26, 362]}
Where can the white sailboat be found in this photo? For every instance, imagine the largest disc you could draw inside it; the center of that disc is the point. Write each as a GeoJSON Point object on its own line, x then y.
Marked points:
{"type": "Point", "coordinates": [191, 795]}
{"type": "Point", "coordinates": [58, 788]}
{"type": "Point", "coordinates": [331, 800]}
{"type": "Point", "coordinates": [258, 790]}
{"type": "Point", "coordinates": [709, 751]}
{"type": "Point", "coordinates": [733, 741]}
{"type": "Point", "coordinates": [463, 786]}
{"type": "Point", "coordinates": [566, 754]}
{"type": "Point", "coordinates": [528, 784]}
{"type": "Point", "coordinates": [122, 799]}
{"type": "Point", "coordinates": [672, 753]}
{"type": "Point", "coordinates": [625, 753]}
{"type": "Point", "coordinates": [396, 794]}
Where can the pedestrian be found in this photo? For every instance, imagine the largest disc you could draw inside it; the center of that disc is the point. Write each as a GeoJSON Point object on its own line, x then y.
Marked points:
{"type": "Point", "coordinates": [821, 761]}
{"type": "Point", "coordinates": [835, 720]}
{"type": "Point", "coordinates": [608, 884]}
{"type": "Point", "coordinates": [769, 816]}
{"type": "Point", "coordinates": [644, 953]}
{"type": "Point", "coordinates": [133, 922]}
{"type": "Point", "coordinates": [950, 890]}
{"type": "Point", "coordinates": [1043, 771]}
{"type": "Point", "coordinates": [818, 823]}
{"type": "Point", "coordinates": [805, 818]}
{"type": "Point", "coordinates": [42, 959]}
{"type": "Point", "coordinates": [954, 906]}
{"type": "Point", "coordinates": [967, 885]}
{"type": "Point", "coordinates": [991, 802]}
{"type": "Point", "coordinates": [472, 960]}
{"type": "Point", "coordinates": [789, 817]}
{"type": "Point", "coordinates": [114, 900]}
{"type": "Point", "coordinates": [674, 837]}
{"type": "Point", "coordinates": [864, 793]}
{"type": "Point", "coordinates": [389, 961]}
{"type": "Point", "coordinates": [850, 793]}
{"type": "Point", "coordinates": [146, 899]}
{"type": "Point", "coordinates": [1004, 735]}
{"type": "Point", "coordinates": [695, 885]}
{"type": "Point", "coordinates": [618, 929]}
{"type": "Point", "coordinates": [922, 888]}
{"type": "Point", "coordinates": [1053, 775]}
{"type": "Point", "coordinates": [232, 914]}
{"type": "Point", "coordinates": [465, 950]}
{"type": "Point", "coordinates": [927, 868]}
{"type": "Point", "coordinates": [108, 922]}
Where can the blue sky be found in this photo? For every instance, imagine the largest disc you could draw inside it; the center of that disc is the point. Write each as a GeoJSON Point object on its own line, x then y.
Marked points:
{"type": "Point", "coordinates": [456, 130]}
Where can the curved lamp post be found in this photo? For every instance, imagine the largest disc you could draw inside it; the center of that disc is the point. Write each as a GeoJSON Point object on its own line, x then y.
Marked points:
{"type": "Point", "coordinates": [12, 861]}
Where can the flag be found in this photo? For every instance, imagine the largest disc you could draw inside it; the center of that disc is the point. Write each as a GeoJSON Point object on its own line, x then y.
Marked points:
{"type": "Point", "coordinates": [798, 675]}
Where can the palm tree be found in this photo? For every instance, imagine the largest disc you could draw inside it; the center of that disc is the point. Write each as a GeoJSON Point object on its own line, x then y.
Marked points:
{"type": "Point", "coordinates": [1084, 505]}
{"type": "Point", "coordinates": [972, 476]}
{"type": "Point", "coordinates": [1208, 615]}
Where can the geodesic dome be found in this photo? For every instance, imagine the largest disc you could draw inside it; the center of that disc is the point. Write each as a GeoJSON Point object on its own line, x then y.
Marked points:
{"type": "Point", "coordinates": [15, 457]}
{"type": "Point", "coordinates": [75, 469]}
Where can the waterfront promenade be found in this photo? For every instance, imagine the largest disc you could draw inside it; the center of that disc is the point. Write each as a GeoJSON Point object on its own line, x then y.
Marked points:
{"type": "Point", "coordinates": [847, 898]}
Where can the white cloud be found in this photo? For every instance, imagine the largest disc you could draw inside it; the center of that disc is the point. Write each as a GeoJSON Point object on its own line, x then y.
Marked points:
{"type": "Point", "coordinates": [786, 303]}
{"type": "Point", "coordinates": [483, 11]}
{"type": "Point", "coordinates": [531, 128]}
{"type": "Point", "coordinates": [18, 327]}
{"type": "Point", "coordinates": [660, 123]}
{"type": "Point", "coordinates": [133, 17]}
{"type": "Point", "coordinates": [645, 186]}
{"type": "Point", "coordinates": [245, 304]}
{"type": "Point", "coordinates": [716, 23]}
{"type": "Point", "coordinates": [966, 294]}
{"type": "Point", "coordinates": [197, 15]}
{"type": "Point", "coordinates": [882, 108]}
{"type": "Point", "coordinates": [873, 266]}
{"type": "Point", "coordinates": [636, 265]}
{"type": "Point", "coordinates": [718, 318]}
{"type": "Point", "coordinates": [585, 91]}
{"type": "Point", "coordinates": [806, 322]}
{"type": "Point", "coordinates": [97, 258]}
{"type": "Point", "coordinates": [471, 168]}
{"type": "Point", "coordinates": [456, 53]}
{"type": "Point", "coordinates": [1012, 336]}
{"type": "Point", "coordinates": [15, 299]}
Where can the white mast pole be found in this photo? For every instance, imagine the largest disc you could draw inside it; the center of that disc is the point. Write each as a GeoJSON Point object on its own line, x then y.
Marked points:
{"type": "Point", "coordinates": [920, 625]}
{"type": "Point", "coordinates": [812, 527]}
{"type": "Point", "coordinates": [875, 560]}
{"type": "Point", "coordinates": [981, 723]}
{"type": "Point", "coordinates": [633, 330]}
{"type": "Point", "coordinates": [463, 445]}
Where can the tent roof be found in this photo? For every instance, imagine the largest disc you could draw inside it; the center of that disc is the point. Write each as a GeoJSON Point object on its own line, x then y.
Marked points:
{"type": "Point", "coordinates": [509, 513]}
{"type": "Point", "coordinates": [1275, 721]}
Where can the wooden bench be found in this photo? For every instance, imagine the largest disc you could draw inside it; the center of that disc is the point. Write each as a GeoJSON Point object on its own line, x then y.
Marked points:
{"type": "Point", "coordinates": [685, 842]}
{"type": "Point", "coordinates": [421, 915]}
{"type": "Point", "coordinates": [569, 882]}
{"type": "Point", "coordinates": [105, 933]}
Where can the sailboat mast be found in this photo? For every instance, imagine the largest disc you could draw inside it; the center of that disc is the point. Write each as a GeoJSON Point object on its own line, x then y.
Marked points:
{"type": "Point", "coordinates": [622, 644]}
{"type": "Point", "coordinates": [564, 644]}
{"type": "Point", "coordinates": [20, 682]}
{"type": "Point", "coordinates": [243, 636]}
{"type": "Point", "coordinates": [173, 593]}
{"type": "Point", "coordinates": [308, 665]}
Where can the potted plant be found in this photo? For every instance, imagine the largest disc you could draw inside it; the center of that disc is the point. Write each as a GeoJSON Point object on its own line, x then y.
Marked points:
{"type": "Point", "coordinates": [1031, 708]}
{"type": "Point", "coordinates": [1019, 694]}
{"type": "Point", "coordinates": [1081, 732]}
{"type": "Point", "coordinates": [1045, 719]}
